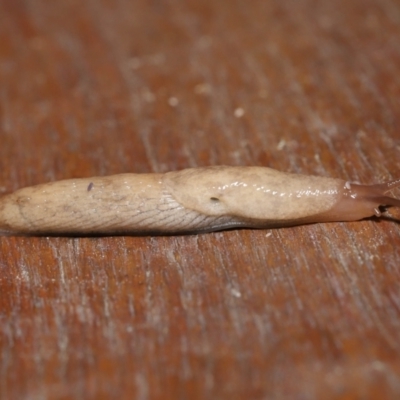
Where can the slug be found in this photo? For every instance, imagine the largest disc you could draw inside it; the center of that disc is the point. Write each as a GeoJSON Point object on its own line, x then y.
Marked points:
{"type": "Point", "coordinates": [188, 201]}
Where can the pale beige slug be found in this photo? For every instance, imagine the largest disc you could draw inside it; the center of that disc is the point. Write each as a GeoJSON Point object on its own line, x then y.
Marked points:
{"type": "Point", "coordinates": [188, 201]}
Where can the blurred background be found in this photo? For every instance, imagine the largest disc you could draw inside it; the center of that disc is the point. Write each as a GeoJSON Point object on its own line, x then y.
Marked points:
{"type": "Point", "coordinates": [111, 86]}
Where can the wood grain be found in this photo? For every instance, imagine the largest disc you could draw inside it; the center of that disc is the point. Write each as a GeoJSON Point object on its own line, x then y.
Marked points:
{"type": "Point", "coordinates": [103, 87]}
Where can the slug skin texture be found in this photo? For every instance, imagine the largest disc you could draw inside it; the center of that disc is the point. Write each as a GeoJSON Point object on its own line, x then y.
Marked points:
{"type": "Point", "coordinates": [188, 201]}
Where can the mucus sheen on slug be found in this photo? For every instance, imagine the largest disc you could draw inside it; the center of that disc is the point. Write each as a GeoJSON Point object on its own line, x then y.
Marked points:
{"type": "Point", "coordinates": [188, 201]}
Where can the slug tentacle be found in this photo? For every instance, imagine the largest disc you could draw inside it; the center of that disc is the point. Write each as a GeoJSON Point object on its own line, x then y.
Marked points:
{"type": "Point", "coordinates": [376, 193]}
{"type": "Point", "coordinates": [361, 201]}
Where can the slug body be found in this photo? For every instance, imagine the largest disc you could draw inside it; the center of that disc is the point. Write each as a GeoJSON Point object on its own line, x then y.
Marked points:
{"type": "Point", "coordinates": [188, 201]}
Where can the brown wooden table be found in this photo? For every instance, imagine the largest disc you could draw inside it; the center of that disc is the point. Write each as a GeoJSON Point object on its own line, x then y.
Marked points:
{"type": "Point", "coordinates": [100, 87]}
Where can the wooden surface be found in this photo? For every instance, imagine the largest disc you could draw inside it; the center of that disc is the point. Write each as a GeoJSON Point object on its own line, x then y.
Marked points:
{"type": "Point", "coordinates": [100, 87]}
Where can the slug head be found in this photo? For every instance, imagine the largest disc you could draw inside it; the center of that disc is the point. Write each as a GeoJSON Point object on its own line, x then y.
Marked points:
{"type": "Point", "coordinates": [362, 201]}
